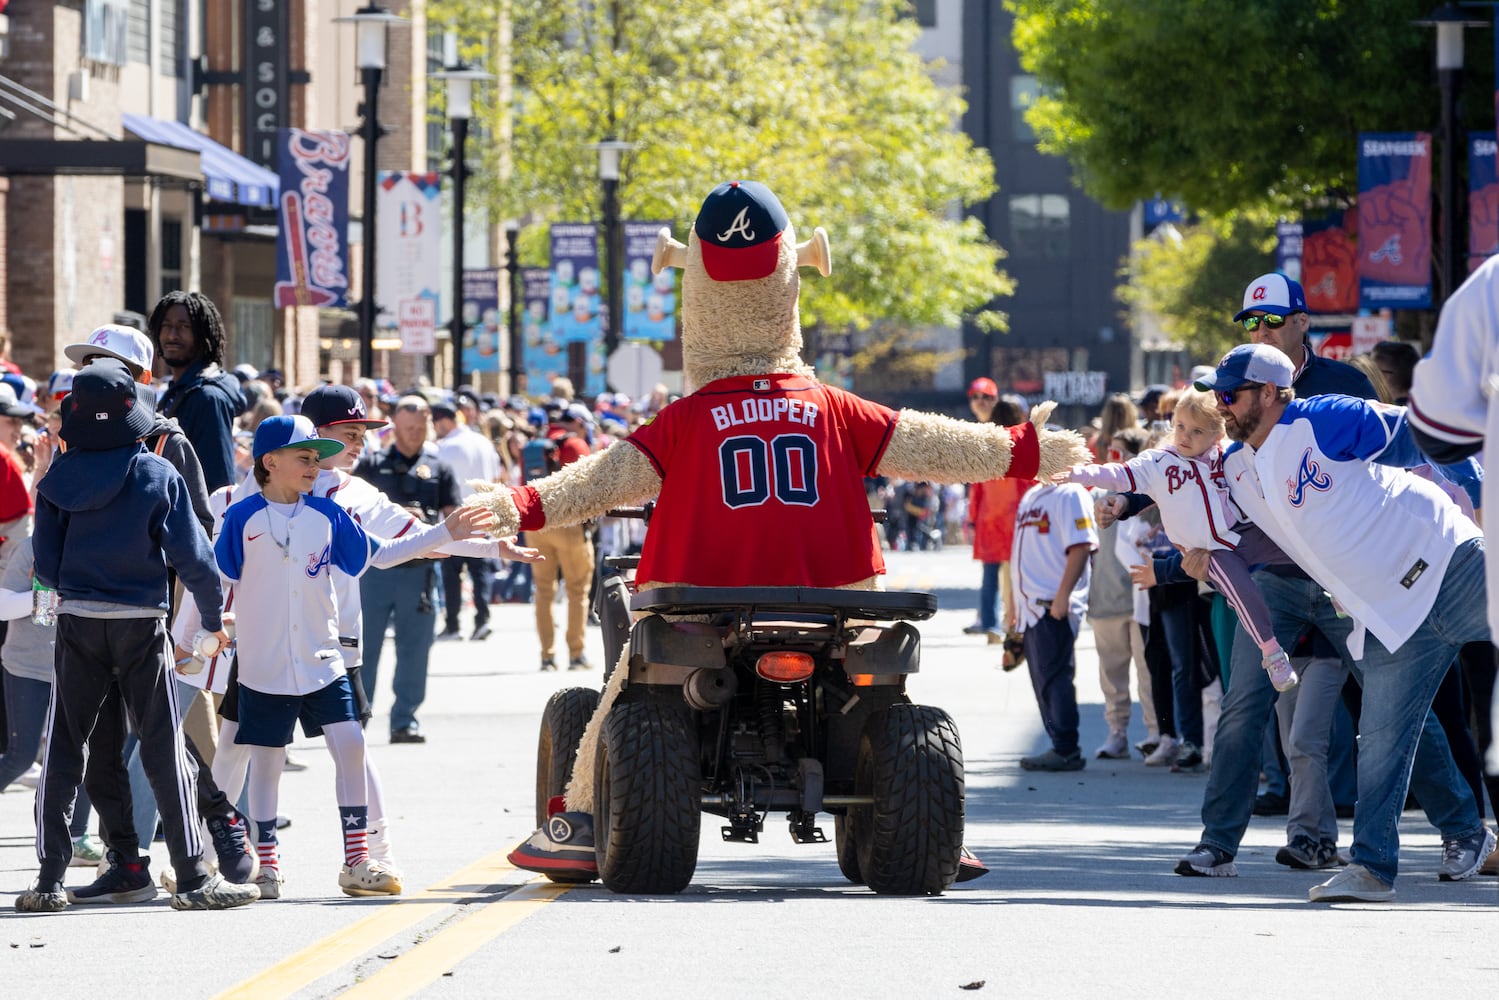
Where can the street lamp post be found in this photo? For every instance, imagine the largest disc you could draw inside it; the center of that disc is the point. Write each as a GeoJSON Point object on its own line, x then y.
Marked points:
{"type": "Point", "coordinates": [512, 276]}
{"type": "Point", "coordinates": [371, 24]}
{"type": "Point", "coordinates": [614, 238]}
{"type": "Point", "coordinates": [461, 79]}
{"type": "Point", "coordinates": [1449, 22]}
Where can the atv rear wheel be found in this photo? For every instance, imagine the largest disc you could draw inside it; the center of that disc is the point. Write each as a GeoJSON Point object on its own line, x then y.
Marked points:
{"type": "Point", "coordinates": [562, 724]}
{"type": "Point", "coordinates": [909, 840]}
{"type": "Point", "coordinates": [647, 798]}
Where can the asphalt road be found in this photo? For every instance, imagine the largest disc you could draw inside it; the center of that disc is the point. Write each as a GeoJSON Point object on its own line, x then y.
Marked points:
{"type": "Point", "coordinates": [1082, 901]}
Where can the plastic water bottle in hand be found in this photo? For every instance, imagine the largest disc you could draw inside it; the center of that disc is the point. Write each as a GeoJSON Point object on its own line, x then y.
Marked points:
{"type": "Point", "coordinates": [43, 604]}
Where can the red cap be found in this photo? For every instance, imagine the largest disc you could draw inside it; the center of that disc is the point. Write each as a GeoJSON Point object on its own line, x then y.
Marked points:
{"type": "Point", "coordinates": [985, 387]}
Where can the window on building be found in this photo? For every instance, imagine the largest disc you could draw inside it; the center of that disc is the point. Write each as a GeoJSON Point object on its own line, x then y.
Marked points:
{"type": "Point", "coordinates": [138, 41]}
{"type": "Point", "coordinates": [252, 332]}
{"type": "Point", "coordinates": [171, 255]}
{"type": "Point", "coordinates": [437, 124]}
{"type": "Point", "coordinates": [1039, 225]}
{"type": "Point", "coordinates": [926, 12]}
{"type": "Point", "coordinates": [173, 37]}
{"type": "Point", "coordinates": [106, 31]}
{"type": "Point", "coordinates": [1023, 93]}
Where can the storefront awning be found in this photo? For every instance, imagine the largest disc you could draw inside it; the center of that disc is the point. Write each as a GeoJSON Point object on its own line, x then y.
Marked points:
{"type": "Point", "coordinates": [230, 176]}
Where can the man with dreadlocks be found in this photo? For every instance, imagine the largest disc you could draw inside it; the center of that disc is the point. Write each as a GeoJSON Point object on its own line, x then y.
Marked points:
{"type": "Point", "coordinates": [204, 399]}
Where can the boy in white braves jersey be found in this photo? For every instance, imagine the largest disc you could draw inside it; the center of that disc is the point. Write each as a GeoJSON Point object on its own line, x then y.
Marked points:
{"type": "Point", "coordinates": [1054, 536]}
{"type": "Point", "coordinates": [279, 548]}
{"type": "Point", "coordinates": [1185, 479]}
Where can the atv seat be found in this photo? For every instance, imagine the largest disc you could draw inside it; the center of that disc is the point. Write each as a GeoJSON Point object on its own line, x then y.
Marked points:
{"type": "Point", "coordinates": [871, 605]}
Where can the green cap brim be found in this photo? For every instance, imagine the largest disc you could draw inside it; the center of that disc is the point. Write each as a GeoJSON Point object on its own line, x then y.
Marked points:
{"type": "Point", "coordinates": [323, 446]}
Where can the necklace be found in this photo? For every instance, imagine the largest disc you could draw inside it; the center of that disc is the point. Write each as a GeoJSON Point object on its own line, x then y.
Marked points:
{"type": "Point", "coordinates": [285, 546]}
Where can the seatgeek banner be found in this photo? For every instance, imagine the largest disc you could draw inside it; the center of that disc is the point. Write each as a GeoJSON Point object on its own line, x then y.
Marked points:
{"type": "Point", "coordinates": [543, 357]}
{"type": "Point", "coordinates": [1394, 220]}
{"type": "Point", "coordinates": [312, 232]}
{"type": "Point", "coordinates": [1483, 199]}
{"type": "Point", "coordinates": [575, 283]}
{"type": "Point", "coordinates": [650, 311]}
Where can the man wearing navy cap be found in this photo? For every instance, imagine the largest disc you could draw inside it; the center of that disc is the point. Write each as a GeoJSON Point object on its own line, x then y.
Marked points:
{"type": "Point", "coordinates": [1274, 313]}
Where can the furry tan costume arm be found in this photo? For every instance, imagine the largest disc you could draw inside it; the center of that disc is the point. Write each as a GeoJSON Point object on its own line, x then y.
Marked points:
{"type": "Point", "coordinates": [928, 446]}
{"type": "Point", "coordinates": [615, 477]}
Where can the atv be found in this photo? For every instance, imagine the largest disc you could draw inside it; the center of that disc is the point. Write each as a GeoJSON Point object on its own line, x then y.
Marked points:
{"type": "Point", "coordinates": [745, 701]}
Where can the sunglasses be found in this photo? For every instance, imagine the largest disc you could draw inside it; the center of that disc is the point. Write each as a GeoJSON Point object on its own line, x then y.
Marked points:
{"type": "Point", "coordinates": [1252, 323]}
{"type": "Point", "coordinates": [1229, 395]}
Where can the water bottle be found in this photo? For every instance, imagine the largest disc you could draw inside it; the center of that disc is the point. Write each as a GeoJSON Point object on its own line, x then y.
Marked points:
{"type": "Point", "coordinates": [43, 604]}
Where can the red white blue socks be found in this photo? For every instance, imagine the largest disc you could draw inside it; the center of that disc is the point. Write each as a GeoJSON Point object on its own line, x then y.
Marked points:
{"type": "Point", "coordinates": [354, 820]}
{"type": "Point", "coordinates": [266, 846]}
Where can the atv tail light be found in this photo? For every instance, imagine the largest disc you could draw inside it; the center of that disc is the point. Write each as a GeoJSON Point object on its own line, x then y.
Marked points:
{"type": "Point", "coordinates": [861, 680]}
{"type": "Point", "coordinates": [785, 668]}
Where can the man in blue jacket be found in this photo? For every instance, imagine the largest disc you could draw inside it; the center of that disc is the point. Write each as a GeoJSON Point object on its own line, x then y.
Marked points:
{"type": "Point", "coordinates": [111, 633]}
{"type": "Point", "coordinates": [203, 398]}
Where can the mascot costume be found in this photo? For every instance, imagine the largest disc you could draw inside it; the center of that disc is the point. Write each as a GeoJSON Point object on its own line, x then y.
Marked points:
{"type": "Point", "coordinates": [734, 508]}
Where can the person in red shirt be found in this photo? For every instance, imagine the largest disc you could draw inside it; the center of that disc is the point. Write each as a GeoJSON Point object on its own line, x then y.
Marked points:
{"type": "Point", "coordinates": [991, 512]}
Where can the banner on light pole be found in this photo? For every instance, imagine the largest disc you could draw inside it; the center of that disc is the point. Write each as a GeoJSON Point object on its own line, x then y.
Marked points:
{"type": "Point", "coordinates": [1329, 263]}
{"type": "Point", "coordinates": [650, 311]}
{"type": "Point", "coordinates": [575, 301]}
{"type": "Point", "coordinates": [1394, 220]}
{"type": "Point", "coordinates": [541, 355]}
{"type": "Point", "coordinates": [482, 328]}
{"type": "Point", "coordinates": [1483, 199]}
{"type": "Point", "coordinates": [409, 247]}
{"type": "Point", "coordinates": [312, 234]}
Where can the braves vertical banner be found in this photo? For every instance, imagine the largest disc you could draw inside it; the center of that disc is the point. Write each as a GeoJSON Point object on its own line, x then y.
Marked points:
{"type": "Point", "coordinates": [544, 359]}
{"type": "Point", "coordinates": [1329, 263]}
{"type": "Point", "coordinates": [1394, 220]}
{"type": "Point", "coordinates": [575, 283]}
{"type": "Point", "coordinates": [1288, 236]}
{"type": "Point", "coordinates": [481, 320]}
{"type": "Point", "coordinates": [650, 311]}
{"type": "Point", "coordinates": [407, 273]}
{"type": "Point", "coordinates": [1483, 199]}
{"type": "Point", "coordinates": [312, 235]}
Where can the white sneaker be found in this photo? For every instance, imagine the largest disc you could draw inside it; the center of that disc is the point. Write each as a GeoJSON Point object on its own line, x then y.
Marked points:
{"type": "Point", "coordinates": [369, 878]}
{"type": "Point", "coordinates": [30, 776]}
{"type": "Point", "coordinates": [1116, 747]}
{"type": "Point", "coordinates": [1165, 752]}
{"type": "Point", "coordinates": [269, 882]}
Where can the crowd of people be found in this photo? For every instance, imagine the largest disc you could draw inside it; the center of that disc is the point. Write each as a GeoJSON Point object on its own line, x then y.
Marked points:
{"type": "Point", "coordinates": [1264, 552]}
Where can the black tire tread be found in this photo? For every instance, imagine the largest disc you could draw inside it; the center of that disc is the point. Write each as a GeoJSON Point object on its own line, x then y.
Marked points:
{"type": "Point", "coordinates": [649, 781]}
{"type": "Point", "coordinates": [914, 832]}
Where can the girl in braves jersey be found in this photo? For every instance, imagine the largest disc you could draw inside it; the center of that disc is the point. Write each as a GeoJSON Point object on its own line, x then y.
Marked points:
{"type": "Point", "coordinates": [1185, 479]}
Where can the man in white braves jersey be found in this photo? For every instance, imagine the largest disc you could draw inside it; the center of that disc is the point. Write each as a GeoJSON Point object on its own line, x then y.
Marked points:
{"type": "Point", "coordinates": [1394, 551]}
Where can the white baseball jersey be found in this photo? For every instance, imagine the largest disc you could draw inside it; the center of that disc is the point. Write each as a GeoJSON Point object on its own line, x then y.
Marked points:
{"type": "Point", "coordinates": [1190, 492]}
{"type": "Point", "coordinates": [1050, 520]}
{"type": "Point", "coordinates": [1453, 388]}
{"type": "Point", "coordinates": [1373, 535]}
{"type": "Point", "coordinates": [281, 558]}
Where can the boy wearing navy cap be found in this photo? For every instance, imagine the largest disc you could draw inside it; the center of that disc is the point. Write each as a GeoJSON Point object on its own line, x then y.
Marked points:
{"type": "Point", "coordinates": [111, 632]}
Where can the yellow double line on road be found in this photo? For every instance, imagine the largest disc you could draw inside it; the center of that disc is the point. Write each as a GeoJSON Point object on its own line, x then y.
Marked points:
{"type": "Point", "coordinates": [421, 965]}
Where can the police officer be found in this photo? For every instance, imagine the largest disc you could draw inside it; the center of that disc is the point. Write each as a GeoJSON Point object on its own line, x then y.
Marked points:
{"type": "Point", "coordinates": [409, 472]}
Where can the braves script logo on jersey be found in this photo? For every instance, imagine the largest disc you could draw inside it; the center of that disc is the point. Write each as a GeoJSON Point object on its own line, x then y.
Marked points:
{"type": "Point", "coordinates": [1309, 475]}
{"type": "Point", "coordinates": [1034, 518]}
{"type": "Point", "coordinates": [318, 562]}
{"type": "Point", "coordinates": [1177, 477]}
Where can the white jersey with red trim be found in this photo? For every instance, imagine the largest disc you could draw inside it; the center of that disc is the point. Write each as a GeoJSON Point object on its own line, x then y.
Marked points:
{"type": "Point", "coordinates": [1051, 519]}
{"type": "Point", "coordinates": [1192, 494]}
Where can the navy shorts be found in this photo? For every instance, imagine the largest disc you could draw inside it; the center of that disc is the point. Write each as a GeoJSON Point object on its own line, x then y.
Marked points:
{"type": "Point", "coordinates": [268, 720]}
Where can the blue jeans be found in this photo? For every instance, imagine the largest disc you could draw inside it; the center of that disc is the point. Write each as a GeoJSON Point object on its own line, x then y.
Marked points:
{"type": "Point", "coordinates": [1398, 689]}
{"type": "Point", "coordinates": [1179, 623]}
{"type": "Point", "coordinates": [989, 597]}
{"type": "Point", "coordinates": [403, 593]}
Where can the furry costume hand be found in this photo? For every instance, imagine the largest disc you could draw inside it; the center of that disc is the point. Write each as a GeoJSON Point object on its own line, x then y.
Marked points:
{"type": "Point", "coordinates": [618, 476]}
{"type": "Point", "coordinates": [934, 448]}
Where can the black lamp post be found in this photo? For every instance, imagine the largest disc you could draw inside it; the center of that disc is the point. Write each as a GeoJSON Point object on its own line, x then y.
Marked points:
{"type": "Point", "coordinates": [512, 276]}
{"type": "Point", "coordinates": [371, 24]}
{"type": "Point", "coordinates": [614, 236]}
{"type": "Point", "coordinates": [461, 79]}
{"type": "Point", "coordinates": [1449, 22]}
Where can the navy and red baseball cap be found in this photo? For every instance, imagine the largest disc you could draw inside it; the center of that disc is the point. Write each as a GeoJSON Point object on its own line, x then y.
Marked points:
{"type": "Point", "coordinates": [739, 228]}
{"type": "Point", "coordinates": [336, 404]}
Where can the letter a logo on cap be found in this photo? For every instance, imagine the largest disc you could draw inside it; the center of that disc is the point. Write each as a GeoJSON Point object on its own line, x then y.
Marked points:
{"type": "Point", "coordinates": [739, 231]}
{"type": "Point", "coordinates": [741, 227]}
{"type": "Point", "coordinates": [1259, 293]}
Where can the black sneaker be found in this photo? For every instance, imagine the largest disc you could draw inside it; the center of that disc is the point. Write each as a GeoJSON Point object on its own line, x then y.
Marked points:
{"type": "Point", "coordinates": [1205, 859]}
{"type": "Point", "coordinates": [1305, 853]}
{"type": "Point", "coordinates": [238, 862]}
{"type": "Point", "coordinates": [1270, 804]}
{"type": "Point", "coordinates": [1188, 758]}
{"type": "Point", "coordinates": [579, 663]}
{"type": "Point", "coordinates": [547, 663]}
{"type": "Point", "coordinates": [481, 633]}
{"type": "Point", "coordinates": [122, 882]}
{"type": "Point", "coordinates": [43, 897]}
{"type": "Point", "coordinates": [449, 634]}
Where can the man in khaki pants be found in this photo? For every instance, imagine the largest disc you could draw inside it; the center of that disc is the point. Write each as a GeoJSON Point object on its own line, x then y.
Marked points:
{"type": "Point", "coordinates": [565, 550]}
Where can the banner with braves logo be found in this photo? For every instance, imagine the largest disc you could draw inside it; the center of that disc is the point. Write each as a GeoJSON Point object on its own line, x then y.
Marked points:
{"type": "Point", "coordinates": [1394, 220]}
{"type": "Point", "coordinates": [575, 283]}
{"type": "Point", "coordinates": [1329, 262]}
{"type": "Point", "coordinates": [312, 235]}
{"type": "Point", "coordinates": [408, 233]}
{"type": "Point", "coordinates": [1483, 199]}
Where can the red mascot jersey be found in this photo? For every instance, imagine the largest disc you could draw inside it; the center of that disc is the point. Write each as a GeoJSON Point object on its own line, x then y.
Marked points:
{"type": "Point", "coordinates": [762, 485]}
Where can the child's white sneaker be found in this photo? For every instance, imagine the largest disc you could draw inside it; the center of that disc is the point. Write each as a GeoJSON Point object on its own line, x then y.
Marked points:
{"type": "Point", "coordinates": [1165, 752]}
{"type": "Point", "coordinates": [369, 878]}
{"type": "Point", "coordinates": [1282, 674]}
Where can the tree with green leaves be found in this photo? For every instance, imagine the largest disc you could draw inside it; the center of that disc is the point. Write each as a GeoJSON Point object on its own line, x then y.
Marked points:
{"type": "Point", "coordinates": [825, 101]}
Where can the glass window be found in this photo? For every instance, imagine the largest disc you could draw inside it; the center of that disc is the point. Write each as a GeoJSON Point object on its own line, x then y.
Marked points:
{"type": "Point", "coordinates": [1039, 225]}
{"type": "Point", "coordinates": [1023, 93]}
{"type": "Point", "coordinates": [106, 31]}
{"type": "Point", "coordinates": [926, 12]}
{"type": "Point", "coordinates": [171, 255]}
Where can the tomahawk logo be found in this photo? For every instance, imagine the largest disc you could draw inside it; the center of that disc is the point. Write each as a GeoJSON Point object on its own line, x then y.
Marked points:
{"type": "Point", "coordinates": [740, 227]}
{"type": "Point", "coordinates": [1308, 476]}
{"type": "Point", "coordinates": [1389, 250]}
